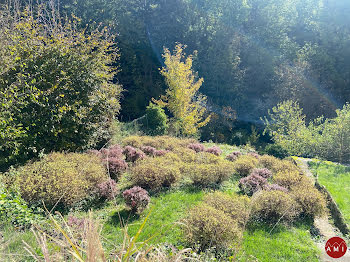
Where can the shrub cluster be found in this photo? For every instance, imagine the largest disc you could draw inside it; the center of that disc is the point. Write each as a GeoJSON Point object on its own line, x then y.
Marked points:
{"type": "Point", "coordinates": [252, 183]}
{"type": "Point", "coordinates": [218, 221]}
{"type": "Point", "coordinates": [60, 178]}
{"type": "Point", "coordinates": [271, 187]}
{"type": "Point", "coordinates": [136, 198]}
{"type": "Point", "coordinates": [276, 165]}
{"type": "Point", "coordinates": [233, 155]}
{"type": "Point", "coordinates": [113, 160]}
{"type": "Point", "coordinates": [151, 151]}
{"type": "Point", "coordinates": [244, 165]}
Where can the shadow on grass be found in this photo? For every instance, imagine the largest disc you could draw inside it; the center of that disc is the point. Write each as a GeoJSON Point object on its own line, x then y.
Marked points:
{"type": "Point", "coordinates": [122, 218]}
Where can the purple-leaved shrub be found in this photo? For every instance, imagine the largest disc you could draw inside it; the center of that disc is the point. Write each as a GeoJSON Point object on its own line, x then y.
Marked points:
{"type": "Point", "coordinates": [233, 155]}
{"type": "Point", "coordinates": [136, 198]}
{"type": "Point", "coordinates": [251, 184]}
{"type": "Point", "coordinates": [214, 150]}
{"type": "Point", "coordinates": [132, 154]}
{"type": "Point", "coordinates": [196, 147]}
{"type": "Point", "coordinates": [107, 189]}
{"type": "Point", "coordinates": [263, 172]}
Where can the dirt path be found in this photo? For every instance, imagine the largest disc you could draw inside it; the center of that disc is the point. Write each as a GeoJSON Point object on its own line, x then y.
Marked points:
{"type": "Point", "coordinates": [322, 225]}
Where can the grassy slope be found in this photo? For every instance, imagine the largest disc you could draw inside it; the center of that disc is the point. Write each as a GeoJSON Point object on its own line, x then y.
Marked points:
{"type": "Point", "coordinates": [336, 178]}
{"type": "Point", "coordinates": [287, 244]}
{"type": "Point", "coordinates": [293, 244]}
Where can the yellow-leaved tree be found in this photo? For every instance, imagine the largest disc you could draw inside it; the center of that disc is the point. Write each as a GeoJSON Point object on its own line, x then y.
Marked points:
{"type": "Point", "coordinates": [182, 98]}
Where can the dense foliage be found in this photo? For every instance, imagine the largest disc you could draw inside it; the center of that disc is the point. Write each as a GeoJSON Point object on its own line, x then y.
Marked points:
{"type": "Point", "coordinates": [60, 179]}
{"type": "Point", "coordinates": [56, 90]}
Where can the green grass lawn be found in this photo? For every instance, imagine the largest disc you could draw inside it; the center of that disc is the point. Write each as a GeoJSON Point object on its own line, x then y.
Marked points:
{"type": "Point", "coordinates": [336, 178]}
{"type": "Point", "coordinates": [283, 244]}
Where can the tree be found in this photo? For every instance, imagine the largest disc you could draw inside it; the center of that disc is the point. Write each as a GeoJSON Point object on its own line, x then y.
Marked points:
{"type": "Point", "coordinates": [182, 98]}
{"type": "Point", "coordinates": [156, 121]}
{"type": "Point", "coordinates": [56, 89]}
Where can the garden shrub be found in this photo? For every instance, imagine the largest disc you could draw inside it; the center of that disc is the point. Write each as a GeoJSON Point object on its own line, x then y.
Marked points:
{"type": "Point", "coordinates": [254, 154]}
{"type": "Point", "coordinates": [276, 165]}
{"type": "Point", "coordinates": [155, 122]}
{"type": "Point", "coordinates": [132, 154]}
{"type": "Point", "coordinates": [289, 179]}
{"type": "Point", "coordinates": [107, 189]}
{"type": "Point", "coordinates": [136, 198]}
{"type": "Point", "coordinates": [155, 173]}
{"type": "Point", "coordinates": [196, 147]}
{"type": "Point", "coordinates": [233, 155]}
{"type": "Point", "coordinates": [263, 172]}
{"type": "Point", "coordinates": [185, 154]}
{"type": "Point", "coordinates": [252, 183]}
{"type": "Point", "coordinates": [312, 202]}
{"type": "Point", "coordinates": [210, 227]}
{"type": "Point", "coordinates": [208, 175]}
{"type": "Point", "coordinates": [271, 187]}
{"type": "Point", "coordinates": [56, 88]}
{"type": "Point", "coordinates": [214, 150]}
{"type": "Point", "coordinates": [208, 158]}
{"type": "Point", "coordinates": [237, 207]}
{"type": "Point", "coordinates": [151, 151]}
{"type": "Point", "coordinates": [245, 164]}
{"type": "Point", "coordinates": [60, 178]}
{"type": "Point", "coordinates": [273, 206]}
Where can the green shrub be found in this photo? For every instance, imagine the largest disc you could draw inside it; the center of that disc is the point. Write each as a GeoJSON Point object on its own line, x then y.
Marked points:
{"type": "Point", "coordinates": [237, 207]}
{"type": "Point", "coordinates": [155, 122]}
{"type": "Point", "coordinates": [60, 178]}
{"type": "Point", "coordinates": [312, 202]}
{"type": "Point", "coordinates": [208, 175]}
{"type": "Point", "coordinates": [210, 227]}
{"type": "Point", "coordinates": [245, 164]}
{"type": "Point", "coordinates": [55, 88]}
{"type": "Point", "coordinates": [273, 206]}
{"type": "Point", "coordinates": [155, 173]}
{"type": "Point", "coordinates": [14, 209]}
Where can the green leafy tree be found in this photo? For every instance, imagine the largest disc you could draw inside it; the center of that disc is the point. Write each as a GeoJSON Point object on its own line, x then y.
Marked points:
{"type": "Point", "coordinates": [156, 121]}
{"type": "Point", "coordinates": [56, 89]}
{"type": "Point", "coordinates": [182, 98]}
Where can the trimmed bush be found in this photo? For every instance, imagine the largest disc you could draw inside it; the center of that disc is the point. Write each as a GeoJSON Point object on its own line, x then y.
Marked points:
{"type": "Point", "coordinates": [208, 175]}
{"type": "Point", "coordinates": [210, 227]}
{"type": "Point", "coordinates": [289, 179]}
{"type": "Point", "coordinates": [115, 166]}
{"type": "Point", "coordinates": [233, 155]}
{"type": "Point", "coordinates": [151, 151]}
{"type": "Point", "coordinates": [136, 199]}
{"type": "Point", "coordinates": [254, 154]}
{"type": "Point", "coordinates": [132, 154]}
{"type": "Point", "coordinates": [237, 207]}
{"type": "Point", "coordinates": [214, 150]}
{"type": "Point", "coordinates": [155, 173]}
{"type": "Point", "coordinates": [276, 165]}
{"type": "Point", "coordinates": [60, 178]}
{"type": "Point", "coordinates": [252, 183]}
{"type": "Point", "coordinates": [244, 165]}
{"type": "Point", "coordinates": [312, 202]}
{"type": "Point", "coordinates": [107, 189]}
{"type": "Point", "coordinates": [273, 206]}
{"type": "Point", "coordinates": [263, 172]}
{"type": "Point", "coordinates": [196, 147]}
{"type": "Point", "coordinates": [271, 187]}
